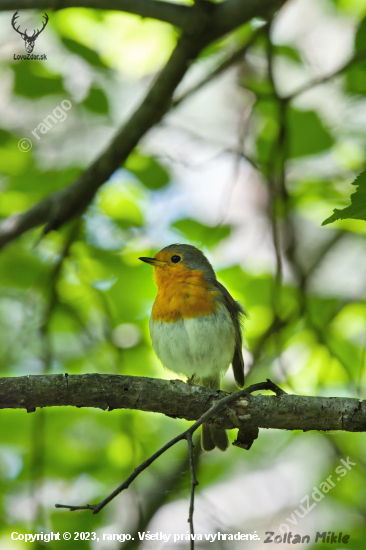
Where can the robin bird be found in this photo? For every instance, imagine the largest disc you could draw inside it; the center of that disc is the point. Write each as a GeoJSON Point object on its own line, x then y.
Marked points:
{"type": "Point", "coordinates": [195, 325]}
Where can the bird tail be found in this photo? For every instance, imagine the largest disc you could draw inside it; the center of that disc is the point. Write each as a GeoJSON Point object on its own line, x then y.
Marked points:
{"type": "Point", "coordinates": [212, 437]}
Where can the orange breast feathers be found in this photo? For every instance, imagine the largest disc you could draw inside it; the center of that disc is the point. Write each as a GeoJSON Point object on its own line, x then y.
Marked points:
{"type": "Point", "coordinates": [182, 293]}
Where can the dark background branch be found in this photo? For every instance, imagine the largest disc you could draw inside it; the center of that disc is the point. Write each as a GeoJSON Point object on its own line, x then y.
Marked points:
{"type": "Point", "coordinates": [208, 22]}
{"type": "Point", "coordinates": [163, 11]}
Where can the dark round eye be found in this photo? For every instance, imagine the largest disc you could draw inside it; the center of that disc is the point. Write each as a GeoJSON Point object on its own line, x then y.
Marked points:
{"type": "Point", "coordinates": [175, 259]}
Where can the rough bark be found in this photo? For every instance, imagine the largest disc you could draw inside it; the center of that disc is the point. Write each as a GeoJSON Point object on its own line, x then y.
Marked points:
{"type": "Point", "coordinates": [176, 399]}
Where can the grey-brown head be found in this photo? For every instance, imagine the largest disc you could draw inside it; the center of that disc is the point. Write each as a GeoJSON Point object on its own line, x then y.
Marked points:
{"type": "Point", "coordinates": [177, 256]}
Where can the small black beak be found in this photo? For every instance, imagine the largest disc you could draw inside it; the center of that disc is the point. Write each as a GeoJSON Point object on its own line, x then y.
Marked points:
{"type": "Point", "coordinates": [153, 261]}
{"type": "Point", "coordinates": [148, 260]}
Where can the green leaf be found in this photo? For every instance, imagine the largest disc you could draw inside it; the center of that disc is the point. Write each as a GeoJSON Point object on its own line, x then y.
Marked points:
{"type": "Point", "coordinates": [289, 52]}
{"type": "Point", "coordinates": [114, 202]}
{"type": "Point", "coordinates": [356, 78]}
{"type": "Point", "coordinates": [5, 137]}
{"type": "Point", "coordinates": [147, 170]}
{"type": "Point", "coordinates": [19, 269]}
{"type": "Point", "coordinates": [269, 129]}
{"type": "Point", "coordinates": [40, 183]}
{"type": "Point", "coordinates": [357, 210]}
{"type": "Point", "coordinates": [356, 73]}
{"type": "Point", "coordinates": [83, 51]}
{"type": "Point", "coordinates": [11, 162]}
{"type": "Point", "coordinates": [198, 232]}
{"type": "Point", "coordinates": [307, 135]}
{"type": "Point", "coordinates": [256, 85]}
{"type": "Point", "coordinates": [33, 80]}
{"type": "Point", "coordinates": [360, 38]}
{"type": "Point", "coordinates": [97, 101]}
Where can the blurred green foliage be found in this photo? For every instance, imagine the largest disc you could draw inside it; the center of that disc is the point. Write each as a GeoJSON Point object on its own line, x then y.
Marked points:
{"type": "Point", "coordinates": [87, 310]}
{"type": "Point", "coordinates": [33, 80]}
{"type": "Point", "coordinates": [96, 101]}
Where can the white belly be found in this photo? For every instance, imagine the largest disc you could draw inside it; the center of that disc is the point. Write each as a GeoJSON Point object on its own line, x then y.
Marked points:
{"type": "Point", "coordinates": [203, 346]}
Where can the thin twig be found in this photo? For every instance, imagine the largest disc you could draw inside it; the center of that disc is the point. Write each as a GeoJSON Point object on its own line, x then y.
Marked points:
{"type": "Point", "coordinates": [276, 325]}
{"type": "Point", "coordinates": [38, 427]}
{"type": "Point", "coordinates": [194, 484]}
{"type": "Point", "coordinates": [322, 252]}
{"type": "Point", "coordinates": [235, 57]}
{"type": "Point", "coordinates": [268, 385]}
{"type": "Point", "coordinates": [276, 188]}
{"type": "Point", "coordinates": [53, 299]}
{"type": "Point", "coordinates": [359, 56]}
{"type": "Point", "coordinates": [227, 196]}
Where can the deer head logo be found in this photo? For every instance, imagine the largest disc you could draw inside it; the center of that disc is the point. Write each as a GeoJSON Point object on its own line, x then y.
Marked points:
{"type": "Point", "coordinates": [28, 40]}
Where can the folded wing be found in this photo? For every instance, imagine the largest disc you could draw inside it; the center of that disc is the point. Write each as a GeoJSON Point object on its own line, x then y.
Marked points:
{"type": "Point", "coordinates": [237, 312]}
